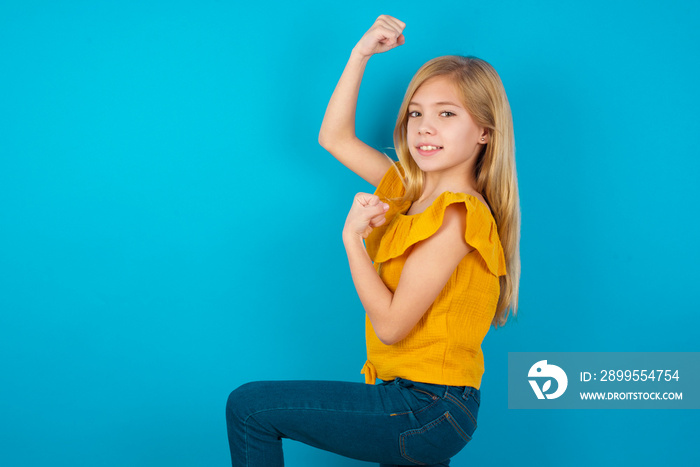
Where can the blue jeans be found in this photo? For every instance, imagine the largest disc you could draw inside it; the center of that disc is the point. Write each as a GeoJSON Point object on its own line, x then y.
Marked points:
{"type": "Point", "coordinates": [396, 422]}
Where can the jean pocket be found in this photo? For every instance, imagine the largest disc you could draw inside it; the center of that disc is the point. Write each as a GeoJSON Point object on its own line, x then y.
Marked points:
{"type": "Point", "coordinates": [434, 442]}
{"type": "Point", "coordinates": [468, 406]}
{"type": "Point", "coordinates": [425, 394]}
{"type": "Point", "coordinates": [473, 394]}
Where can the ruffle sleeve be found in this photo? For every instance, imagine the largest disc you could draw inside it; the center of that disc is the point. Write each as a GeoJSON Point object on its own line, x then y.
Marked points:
{"type": "Point", "coordinates": [392, 239]}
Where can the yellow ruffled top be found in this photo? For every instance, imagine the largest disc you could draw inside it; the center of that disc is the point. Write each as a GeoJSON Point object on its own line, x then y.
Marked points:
{"type": "Point", "coordinates": [444, 347]}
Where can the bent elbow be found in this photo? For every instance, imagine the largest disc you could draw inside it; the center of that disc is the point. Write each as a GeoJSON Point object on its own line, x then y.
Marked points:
{"type": "Point", "coordinates": [322, 139]}
{"type": "Point", "coordinates": [325, 139]}
{"type": "Point", "coordinates": [334, 141]}
{"type": "Point", "coordinates": [390, 336]}
{"type": "Point", "coordinates": [385, 341]}
{"type": "Point", "coordinates": [389, 342]}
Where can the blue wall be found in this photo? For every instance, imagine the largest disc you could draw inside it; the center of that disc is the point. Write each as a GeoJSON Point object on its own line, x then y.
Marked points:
{"type": "Point", "coordinates": [170, 228]}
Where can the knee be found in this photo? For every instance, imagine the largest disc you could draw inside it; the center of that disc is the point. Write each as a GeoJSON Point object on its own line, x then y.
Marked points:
{"type": "Point", "coordinates": [240, 402]}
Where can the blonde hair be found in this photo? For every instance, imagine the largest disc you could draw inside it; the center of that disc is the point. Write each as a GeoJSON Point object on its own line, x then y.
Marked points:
{"type": "Point", "coordinates": [485, 99]}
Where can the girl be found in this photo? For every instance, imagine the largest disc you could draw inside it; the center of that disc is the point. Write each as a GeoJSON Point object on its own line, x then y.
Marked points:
{"type": "Point", "coordinates": [440, 265]}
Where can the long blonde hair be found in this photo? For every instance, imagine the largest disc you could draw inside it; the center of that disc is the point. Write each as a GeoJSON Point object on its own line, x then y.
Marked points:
{"type": "Point", "coordinates": [485, 99]}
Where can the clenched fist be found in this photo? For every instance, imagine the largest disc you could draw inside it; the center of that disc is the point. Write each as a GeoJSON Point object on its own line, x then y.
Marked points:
{"type": "Point", "coordinates": [385, 34]}
{"type": "Point", "coordinates": [366, 213]}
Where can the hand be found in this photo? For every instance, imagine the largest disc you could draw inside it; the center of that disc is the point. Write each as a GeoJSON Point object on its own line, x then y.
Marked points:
{"type": "Point", "coordinates": [385, 34]}
{"type": "Point", "coordinates": [366, 213]}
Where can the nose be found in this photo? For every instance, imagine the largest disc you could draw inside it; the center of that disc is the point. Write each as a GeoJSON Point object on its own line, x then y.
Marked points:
{"type": "Point", "coordinates": [426, 128]}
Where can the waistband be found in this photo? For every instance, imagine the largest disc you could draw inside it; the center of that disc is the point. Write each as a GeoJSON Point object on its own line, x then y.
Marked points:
{"type": "Point", "coordinates": [439, 390]}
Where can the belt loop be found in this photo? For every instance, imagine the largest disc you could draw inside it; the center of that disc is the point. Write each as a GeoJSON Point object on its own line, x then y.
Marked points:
{"type": "Point", "coordinates": [404, 383]}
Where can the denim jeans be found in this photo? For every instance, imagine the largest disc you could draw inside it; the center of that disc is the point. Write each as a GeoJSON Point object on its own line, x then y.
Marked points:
{"type": "Point", "coordinates": [396, 422]}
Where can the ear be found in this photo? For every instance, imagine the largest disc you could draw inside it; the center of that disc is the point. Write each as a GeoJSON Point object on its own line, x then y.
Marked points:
{"type": "Point", "coordinates": [485, 136]}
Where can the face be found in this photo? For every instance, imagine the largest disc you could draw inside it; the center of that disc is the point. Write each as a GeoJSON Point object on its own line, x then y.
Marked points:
{"type": "Point", "coordinates": [441, 134]}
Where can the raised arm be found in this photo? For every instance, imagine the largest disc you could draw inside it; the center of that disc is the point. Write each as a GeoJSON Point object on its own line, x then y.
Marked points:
{"type": "Point", "coordinates": [337, 133]}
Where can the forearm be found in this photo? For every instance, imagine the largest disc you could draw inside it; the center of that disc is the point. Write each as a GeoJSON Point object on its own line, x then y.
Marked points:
{"type": "Point", "coordinates": [339, 119]}
{"type": "Point", "coordinates": [376, 298]}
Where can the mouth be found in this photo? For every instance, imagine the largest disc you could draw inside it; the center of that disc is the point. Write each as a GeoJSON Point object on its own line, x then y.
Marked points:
{"type": "Point", "coordinates": [428, 149]}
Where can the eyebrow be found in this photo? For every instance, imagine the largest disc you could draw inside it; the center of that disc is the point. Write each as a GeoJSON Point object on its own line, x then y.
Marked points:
{"type": "Point", "coordinates": [438, 103]}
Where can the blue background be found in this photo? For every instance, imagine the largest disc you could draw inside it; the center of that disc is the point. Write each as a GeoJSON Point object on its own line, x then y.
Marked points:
{"type": "Point", "coordinates": [170, 227]}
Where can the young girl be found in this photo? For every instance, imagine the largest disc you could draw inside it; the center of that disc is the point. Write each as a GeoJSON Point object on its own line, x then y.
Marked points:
{"type": "Point", "coordinates": [441, 264]}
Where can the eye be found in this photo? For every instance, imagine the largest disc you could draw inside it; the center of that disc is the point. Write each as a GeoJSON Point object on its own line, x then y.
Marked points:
{"type": "Point", "coordinates": [414, 113]}
{"type": "Point", "coordinates": [447, 113]}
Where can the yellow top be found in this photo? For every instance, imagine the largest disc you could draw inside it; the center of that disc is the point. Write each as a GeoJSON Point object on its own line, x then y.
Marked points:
{"type": "Point", "coordinates": [444, 347]}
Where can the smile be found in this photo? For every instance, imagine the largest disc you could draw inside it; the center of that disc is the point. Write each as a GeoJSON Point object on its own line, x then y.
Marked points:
{"type": "Point", "coordinates": [428, 150]}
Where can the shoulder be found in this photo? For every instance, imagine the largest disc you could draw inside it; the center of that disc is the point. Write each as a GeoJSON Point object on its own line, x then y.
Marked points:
{"type": "Point", "coordinates": [449, 233]}
{"type": "Point", "coordinates": [454, 220]}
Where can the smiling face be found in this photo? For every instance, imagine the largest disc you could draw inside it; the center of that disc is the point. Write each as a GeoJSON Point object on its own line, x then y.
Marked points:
{"type": "Point", "coordinates": [441, 134]}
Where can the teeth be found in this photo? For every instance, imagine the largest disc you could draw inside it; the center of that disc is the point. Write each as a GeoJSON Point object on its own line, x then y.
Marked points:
{"type": "Point", "coordinates": [428, 148]}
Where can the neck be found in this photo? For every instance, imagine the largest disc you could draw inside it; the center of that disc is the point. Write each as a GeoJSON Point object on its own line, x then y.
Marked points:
{"type": "Point", "coordinates": [456, 180]}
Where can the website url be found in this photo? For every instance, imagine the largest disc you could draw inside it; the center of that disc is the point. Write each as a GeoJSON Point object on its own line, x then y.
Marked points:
{"type": "Point", "coordinates": [631, 396]}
